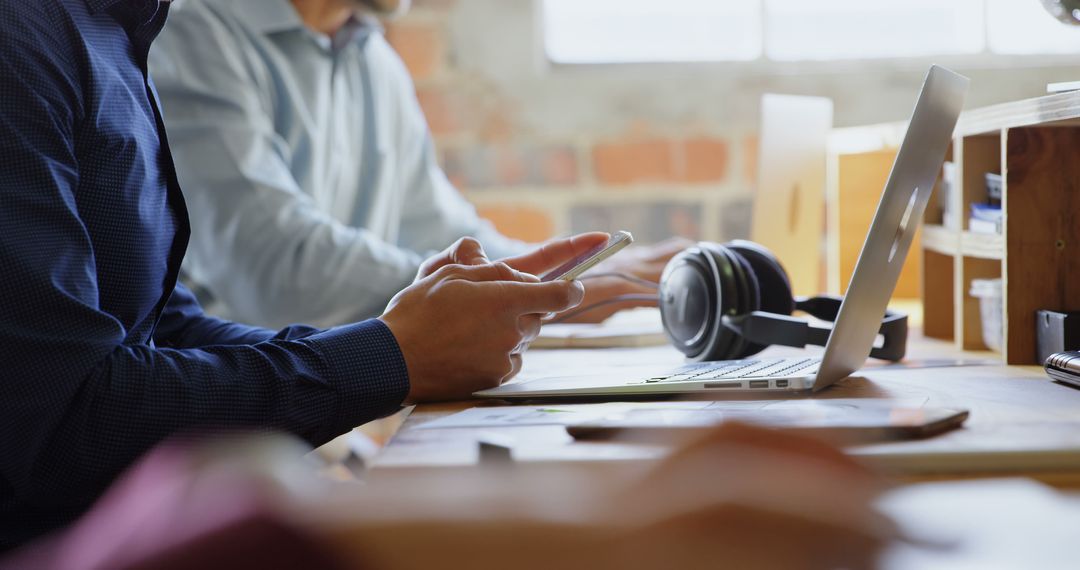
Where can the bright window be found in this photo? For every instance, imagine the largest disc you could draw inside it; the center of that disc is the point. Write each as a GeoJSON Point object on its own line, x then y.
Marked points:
{"type": "Point", "coordinates": [620, 31]}
{"type": "Point", "coordinates": [625, 31]}
{"type": "Point", "coordinates": [849, 29]}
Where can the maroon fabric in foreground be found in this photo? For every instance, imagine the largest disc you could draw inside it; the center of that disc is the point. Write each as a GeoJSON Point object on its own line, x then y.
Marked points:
{"type": "Point", "coordinates": [162, 516]}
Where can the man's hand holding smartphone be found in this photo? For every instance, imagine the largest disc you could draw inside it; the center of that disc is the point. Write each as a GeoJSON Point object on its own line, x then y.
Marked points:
{"type": "Point", "coordinates": [574, 268]}
{"type": "Point", "coordinates": [463, 325]}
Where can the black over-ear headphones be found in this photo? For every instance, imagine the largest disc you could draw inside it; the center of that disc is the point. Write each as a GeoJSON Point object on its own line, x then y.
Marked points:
{"type": "Point", "coordinates": [729, 301]}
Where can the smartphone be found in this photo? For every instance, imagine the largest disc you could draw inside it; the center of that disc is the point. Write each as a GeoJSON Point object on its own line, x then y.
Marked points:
{"type": "Point", "coordinates": [573, 269]}
{"type": "Point", "coordinates": [844, 427]}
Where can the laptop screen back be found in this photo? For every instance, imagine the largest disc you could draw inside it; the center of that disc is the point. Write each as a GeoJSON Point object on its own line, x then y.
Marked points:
{"type": "Point", "coordinates": [898, 214]}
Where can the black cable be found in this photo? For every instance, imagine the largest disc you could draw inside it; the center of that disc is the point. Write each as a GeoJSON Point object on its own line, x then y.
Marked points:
{"type": "Point", "coordinates": [617, 299]}
{"type": "Point", "coordinates": [623, 276]}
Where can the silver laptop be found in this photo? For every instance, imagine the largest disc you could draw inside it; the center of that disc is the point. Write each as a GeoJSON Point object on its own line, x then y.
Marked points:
{"type": "Point", "coordinates": [891, 232]}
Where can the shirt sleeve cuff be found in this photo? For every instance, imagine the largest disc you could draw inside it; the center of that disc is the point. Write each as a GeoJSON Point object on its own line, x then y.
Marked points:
{"type": "Point", "coordinates": [367, 370]}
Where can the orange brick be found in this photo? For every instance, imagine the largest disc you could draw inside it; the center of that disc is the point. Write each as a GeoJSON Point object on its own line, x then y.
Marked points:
{"type": "Point", "coordinates": [509, 166]}
{"type": "Point", "coordinates": [521, 222]}
{"type": "Point", "coordinates": [420, 45]}
{"type": "Point", "coordinates": [503, 166]}
{"type": "Point", "coordinates": [634, 162]}
{"type": "Point", "coordinates": [497, 126]}
{"type": "Point", "coordinates": [441, 110]}
{"type": "Point", "coordinates": [704, 160]}
{"type": "Point", "coordinates": [649, 221]}
{"type": "Point", "coordinates": [558, 166]}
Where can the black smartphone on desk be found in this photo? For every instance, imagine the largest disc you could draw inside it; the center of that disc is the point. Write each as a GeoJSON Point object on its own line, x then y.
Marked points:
{"type": "Point", "coordinates": [851, 427]}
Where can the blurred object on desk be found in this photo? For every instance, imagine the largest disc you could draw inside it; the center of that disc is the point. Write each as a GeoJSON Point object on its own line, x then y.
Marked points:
{"type": "Point", "coordinates": [789, 205]}
{"type": "Point", "coordinates": [1057, 332]}
{"type": "Point", "coordinates": [1063, 87]}
{"type": "Point", "coordinates": [627, 329]}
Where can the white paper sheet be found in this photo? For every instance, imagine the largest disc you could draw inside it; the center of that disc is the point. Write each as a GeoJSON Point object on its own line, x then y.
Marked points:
{"type": "Point", "coordinates": [778, 412]}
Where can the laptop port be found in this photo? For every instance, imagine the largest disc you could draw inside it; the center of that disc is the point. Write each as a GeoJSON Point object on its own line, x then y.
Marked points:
{"type": "Point", "coordinates": [781, 383]}
{"type": "Point", "coordinates": [759, 384]}
{"type": "Point", "coordinates": [724, 385]}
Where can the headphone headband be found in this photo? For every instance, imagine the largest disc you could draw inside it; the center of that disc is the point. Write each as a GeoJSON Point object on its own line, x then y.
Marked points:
{"type": "Point", "coordinates": [771, 328]}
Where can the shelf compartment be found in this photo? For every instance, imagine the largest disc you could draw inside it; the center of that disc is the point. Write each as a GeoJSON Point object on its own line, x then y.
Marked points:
{"type": "Point", "coordinates": [981, 155]}
{"type": "Point", "coordinates": [984, 246]}
{"type": "Point", "coordinates": [940, 239]}
{"type": "Point", "coordinates": [969, 320]}
{"type": "Point", "coordinates": [935, 211]}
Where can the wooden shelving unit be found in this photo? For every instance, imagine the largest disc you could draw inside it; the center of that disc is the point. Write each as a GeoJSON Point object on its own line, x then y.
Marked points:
{"type": "Point", "coordinates": [1035, 145]}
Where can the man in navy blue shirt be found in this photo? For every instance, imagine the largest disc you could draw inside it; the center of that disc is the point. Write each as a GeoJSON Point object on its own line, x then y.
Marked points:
{"type": "Point", "coordinates": [103, 354]}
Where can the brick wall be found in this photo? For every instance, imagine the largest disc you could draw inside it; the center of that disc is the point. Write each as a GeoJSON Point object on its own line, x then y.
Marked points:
{"type": "Point", "coordinates": [655, 149]}
{"type": "Point", "coordinates": [534, 184]}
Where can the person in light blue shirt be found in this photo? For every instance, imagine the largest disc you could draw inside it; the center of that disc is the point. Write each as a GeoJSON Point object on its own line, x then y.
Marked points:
{"type": "Point", "coordinates": [308, 165]}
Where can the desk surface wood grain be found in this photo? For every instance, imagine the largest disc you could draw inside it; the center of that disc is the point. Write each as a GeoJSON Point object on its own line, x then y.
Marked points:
{"type": "Point", "coordinates": [1021, 423]}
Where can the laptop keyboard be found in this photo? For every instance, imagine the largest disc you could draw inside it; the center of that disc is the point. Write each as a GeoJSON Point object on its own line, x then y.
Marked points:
{"type": "Point", "coordinates": [736, 369]}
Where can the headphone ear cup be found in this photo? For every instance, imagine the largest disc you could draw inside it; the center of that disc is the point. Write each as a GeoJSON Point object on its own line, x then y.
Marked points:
{"type": "Point", "coordinates": [697, 289]}
{"type": "Point", "coordinates": [738, 281]}
{"type": "Point", "coordinates": [773, 283]}
{"type": "Point", "coordinates": [690, 302]}
{"type": "Point", "coordinates": [752, 302]}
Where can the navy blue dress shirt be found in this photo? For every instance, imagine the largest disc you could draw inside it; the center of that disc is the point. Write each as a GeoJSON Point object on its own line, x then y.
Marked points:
{"type": "Point", "coordinates": [102, 353]}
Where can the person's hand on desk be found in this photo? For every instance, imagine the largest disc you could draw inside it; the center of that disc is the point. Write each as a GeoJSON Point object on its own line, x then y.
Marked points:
{"type": "Point", "coordinates": [465, 322]}
{"type": "Point", "coordinates": [624, 281]}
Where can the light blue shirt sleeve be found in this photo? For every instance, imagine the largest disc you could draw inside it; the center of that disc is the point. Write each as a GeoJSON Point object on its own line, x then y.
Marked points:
{"type": "Point", "coordinates": [313, 198]}
{"type": "Point", "coordinates": [437, 214]}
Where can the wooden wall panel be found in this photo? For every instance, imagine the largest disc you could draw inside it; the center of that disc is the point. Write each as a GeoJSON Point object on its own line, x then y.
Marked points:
{"type": "Point", "coordinates": [1042, 230]}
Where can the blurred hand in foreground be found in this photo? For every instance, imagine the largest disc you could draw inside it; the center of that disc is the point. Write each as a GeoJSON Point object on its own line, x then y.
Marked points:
{"type": "Point", "coordinates": [735, 496]}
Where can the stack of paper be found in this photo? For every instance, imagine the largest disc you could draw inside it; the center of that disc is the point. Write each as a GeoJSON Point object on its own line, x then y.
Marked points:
{"type": "Point", "coordinates": [640, 327]}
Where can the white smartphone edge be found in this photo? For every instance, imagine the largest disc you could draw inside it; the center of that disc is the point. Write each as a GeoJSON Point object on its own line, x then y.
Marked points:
{"type": "Point", "coordinates": [618, 241]}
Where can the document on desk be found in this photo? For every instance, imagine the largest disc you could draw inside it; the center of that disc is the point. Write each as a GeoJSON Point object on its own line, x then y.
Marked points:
{"type": "Point", "coordinates": [1003, 523]}
{"type": "Point", "coordinates": [835, 411]}
{"type": "Point", "coordinates": [637, 328]}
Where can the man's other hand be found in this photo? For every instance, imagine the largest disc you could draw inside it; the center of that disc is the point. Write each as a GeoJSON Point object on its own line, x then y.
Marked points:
{"type": "Point", "coordinates": [645, 261]}
{"type": "Point", "coordinates": [632, 276]}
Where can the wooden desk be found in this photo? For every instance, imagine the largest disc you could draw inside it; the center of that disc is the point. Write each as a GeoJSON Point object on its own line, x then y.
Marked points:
{"type": "Point", "coordinates": [1021, 423]}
